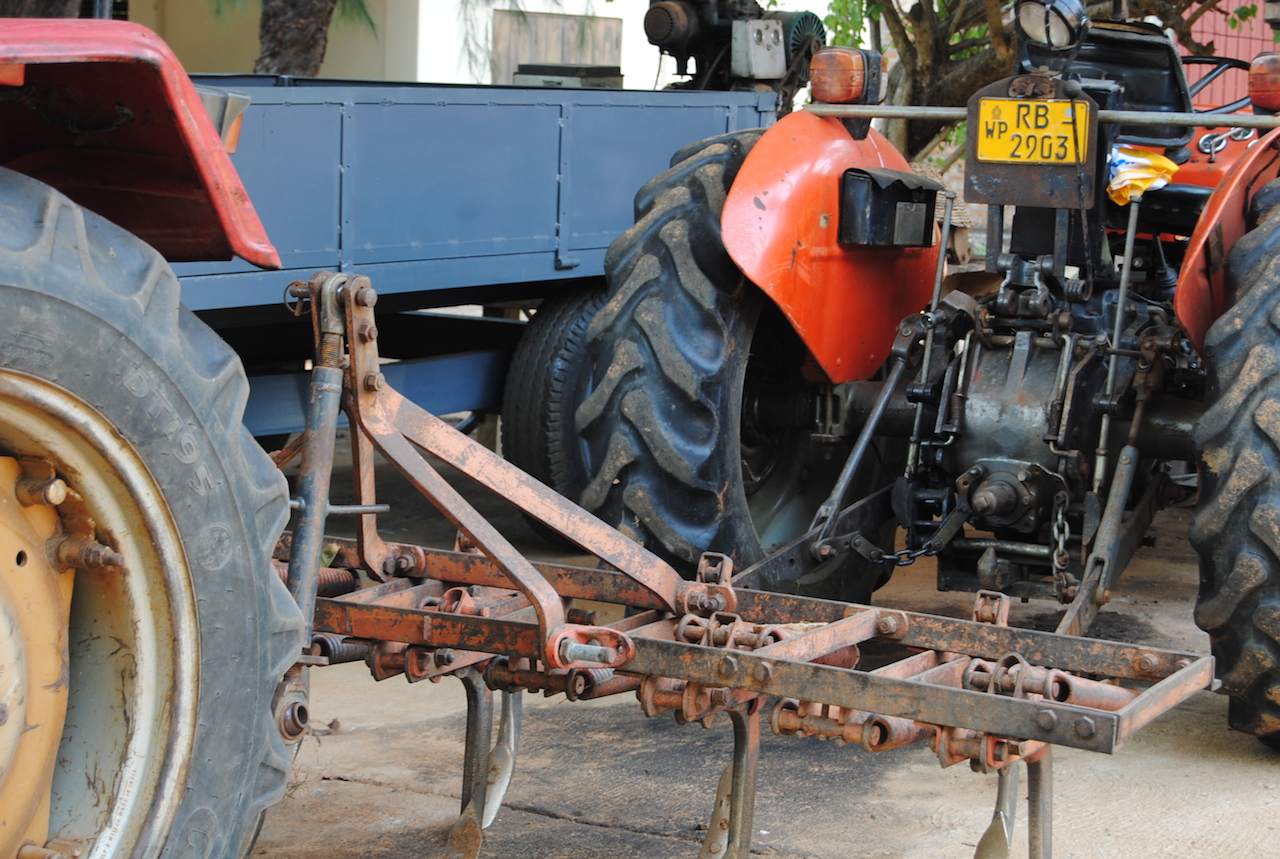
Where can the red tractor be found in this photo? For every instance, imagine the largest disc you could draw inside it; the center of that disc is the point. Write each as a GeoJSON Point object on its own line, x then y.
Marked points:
{"type": "Point", "coordinates": [776, 347]}
{"type": "Point", "coordinates": [143, 630]}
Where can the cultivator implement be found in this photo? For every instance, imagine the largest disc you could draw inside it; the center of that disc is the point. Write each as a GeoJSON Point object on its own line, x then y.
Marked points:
{"type": "Point", "coordinates": [974, 690]}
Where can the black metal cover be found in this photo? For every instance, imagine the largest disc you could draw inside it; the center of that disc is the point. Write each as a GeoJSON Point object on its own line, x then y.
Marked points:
{"type": "Point", "coordinates": [886, 208]}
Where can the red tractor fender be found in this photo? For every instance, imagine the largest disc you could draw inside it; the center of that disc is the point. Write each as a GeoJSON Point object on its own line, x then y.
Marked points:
{"type": "Point", "coordinates": [1201, 296]}
{"type": "Point", "coordinates": [103, 111]}
{"type": "Point", "coordinates": [779, 225]}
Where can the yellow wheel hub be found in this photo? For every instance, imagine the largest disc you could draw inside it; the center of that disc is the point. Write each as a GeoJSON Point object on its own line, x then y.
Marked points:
{"type": "Point", "coordinates": [35, 600]}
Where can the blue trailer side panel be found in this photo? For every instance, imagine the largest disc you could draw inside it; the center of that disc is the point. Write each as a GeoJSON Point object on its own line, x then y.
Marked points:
{"type": "Point", "coordinates": [441, 188]}
{"type": "Point", "coordinates": [443, 195]}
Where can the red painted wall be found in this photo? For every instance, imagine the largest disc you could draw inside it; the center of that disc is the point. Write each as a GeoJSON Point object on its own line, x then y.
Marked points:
{"type": "Point", "coordinates": [1242, 43]}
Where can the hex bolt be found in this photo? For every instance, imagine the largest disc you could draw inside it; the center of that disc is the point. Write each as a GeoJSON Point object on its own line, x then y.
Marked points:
{"type": "Point", "coordinates": [1148, 663]}
{"type": "Point", "coordinates": [47, 493]}
{"type": "Point", "coordinates": [728, 667]}
{"type": "Point", "coordinates": [572, 651]}
{"type": "Point", "coordinates": [368, 333]}
{"type": "Point", "coordinates": [1047, 720]}
{"type": "Point", "coordinates": [763, 672]}
{"type": "Point", "coordinates": [1085, 727]}
{"type": "Point", "coordinates": [888, 625]}
{"type": "Point", "coordinates": [707, 602]}
{"type": "Point", "coordinates": [719, 697]}
{"type": "Point", "coordinates": [445, 657]}
{"type": "Point", "coordinates": [826, 552]}
{"type": "Point", "coordinates": [374, 381]}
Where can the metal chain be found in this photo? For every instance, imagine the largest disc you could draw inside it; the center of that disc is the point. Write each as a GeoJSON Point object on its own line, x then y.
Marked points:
{"type": "Point", "coordinates": [907, 557]}
{"type": "Point", "coordinates": [1061, 533]}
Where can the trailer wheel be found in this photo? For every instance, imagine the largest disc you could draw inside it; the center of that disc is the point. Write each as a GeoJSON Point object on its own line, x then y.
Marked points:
{"type": "Point", "coordinates": [158, 614]}
{"type": "Point", "coordinates": [698, 425]}
{"type": "Point", "coordinates": [1236, 529]}
{"type": "Point", "coordinates": [550, 373]}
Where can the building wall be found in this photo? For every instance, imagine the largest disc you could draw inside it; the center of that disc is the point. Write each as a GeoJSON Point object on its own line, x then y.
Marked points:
{"type": "Point", "coordinates": [226, 40]}
{"type": "Point", "coordinates": [423, 40]}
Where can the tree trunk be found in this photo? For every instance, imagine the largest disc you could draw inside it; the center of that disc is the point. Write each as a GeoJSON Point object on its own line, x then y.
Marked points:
{"type": "Point", "coordinates": [39, 8]}
{"type": "Point", "coordinates": [293, 36]}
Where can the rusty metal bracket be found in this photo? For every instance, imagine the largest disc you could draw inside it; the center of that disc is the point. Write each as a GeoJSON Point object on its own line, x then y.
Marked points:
{"type": "Point", "coordinates": [396, 426]}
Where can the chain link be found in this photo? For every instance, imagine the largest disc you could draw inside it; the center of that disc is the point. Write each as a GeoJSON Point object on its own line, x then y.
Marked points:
{"type": "Point", "coordinates": [1061, 532]}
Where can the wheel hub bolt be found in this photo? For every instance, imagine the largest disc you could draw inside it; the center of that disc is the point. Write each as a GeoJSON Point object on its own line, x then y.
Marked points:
{"type": "Point", "coordinates": [84, 553]}
{"type": "Point", "coordinates": [47, 493]}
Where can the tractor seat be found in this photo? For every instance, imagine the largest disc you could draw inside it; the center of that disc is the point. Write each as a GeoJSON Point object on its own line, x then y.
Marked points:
{"type": "Point", "coordinates": [1175, 208]}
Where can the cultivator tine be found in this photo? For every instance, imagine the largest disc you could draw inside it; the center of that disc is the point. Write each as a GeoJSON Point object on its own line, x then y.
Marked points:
{"type": "Point", "coordinates": [465, 838]}
{"type": "Point", "coordinates": [502, 758]}
{"type": "Point", "coordinates": [729, 835]}
{"type": "Point", "coordinates": [1040, 804]}
{"type": "Point", "coordinates": [997, 840]}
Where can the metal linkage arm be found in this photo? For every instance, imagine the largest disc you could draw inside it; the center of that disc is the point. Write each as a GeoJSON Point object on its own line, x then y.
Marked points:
{"type": "Point", "coordinates": [395, 426]}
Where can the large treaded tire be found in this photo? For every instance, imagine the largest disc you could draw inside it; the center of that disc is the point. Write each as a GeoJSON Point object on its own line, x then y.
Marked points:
{"type": "Point", "coordinates": [684, 350]}
{"type": "Point", "coordinates": [95, 312]}
{"type": "Point", "coordinates": [1236, 529]}
{"type": "Point", "coordinates": [550, 373]}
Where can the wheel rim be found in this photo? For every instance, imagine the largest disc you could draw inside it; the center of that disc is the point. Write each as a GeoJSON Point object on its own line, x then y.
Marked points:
{"type": "Point", "coordinates": [130, 638]}
{"type": "Point", "coordinates": [783, 491]}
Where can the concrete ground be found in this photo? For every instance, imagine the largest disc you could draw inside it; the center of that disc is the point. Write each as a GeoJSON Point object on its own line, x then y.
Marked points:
{"type": "Point", "coordinates": [381, 776]}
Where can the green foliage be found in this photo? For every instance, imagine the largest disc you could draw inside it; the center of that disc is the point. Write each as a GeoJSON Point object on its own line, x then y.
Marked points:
{"type": "Point", "coordinates": [846, 20]}
{"type": "Point", "coordinates": [1237, 19]}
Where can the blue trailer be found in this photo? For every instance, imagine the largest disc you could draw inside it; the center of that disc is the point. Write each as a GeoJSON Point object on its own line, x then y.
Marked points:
{"type": "Point", "coordinates": [445, 196]}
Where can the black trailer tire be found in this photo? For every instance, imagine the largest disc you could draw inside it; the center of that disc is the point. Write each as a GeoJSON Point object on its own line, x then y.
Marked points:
{"type": "Point", "coordinates": [686, 352]}
{"type": "Point", "coordinates": [138, 406]}
{"type": "Point", "coordinates": [1236, 529]}
{"type": "Point", "coordinates": [550, 373]}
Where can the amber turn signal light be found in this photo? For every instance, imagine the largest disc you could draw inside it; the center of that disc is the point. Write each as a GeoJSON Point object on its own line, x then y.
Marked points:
{"type": "Point", "coordinates": [840, 75]}
{"type": "Point", "coordinates": [1264, 81]}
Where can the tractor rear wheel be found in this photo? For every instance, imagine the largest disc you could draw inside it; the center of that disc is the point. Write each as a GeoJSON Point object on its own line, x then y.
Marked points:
{"type": "Point", "coordinates": [698, 425]}
{"type": "Point", "coordinates": [158, 612]}
{"type": "Point", "coordinates": [1236, 529]}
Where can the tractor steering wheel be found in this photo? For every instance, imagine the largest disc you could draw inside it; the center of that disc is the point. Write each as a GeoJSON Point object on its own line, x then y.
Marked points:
{"type": "Point", "coordinates": [1220, 64]}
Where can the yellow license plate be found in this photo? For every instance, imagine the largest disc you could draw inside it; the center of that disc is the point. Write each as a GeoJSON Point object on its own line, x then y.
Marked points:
{"type": "Point", "coordinates": [1032, 131]}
